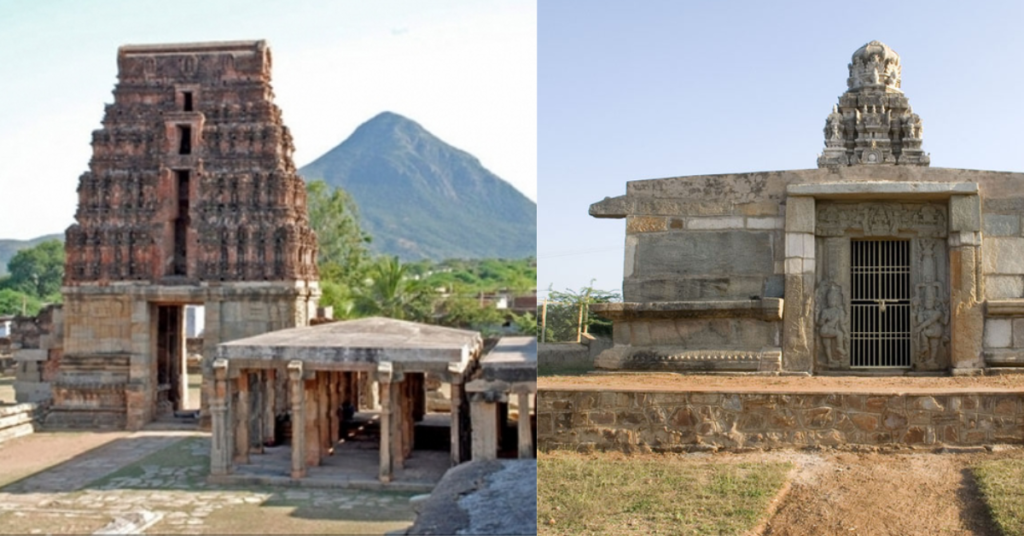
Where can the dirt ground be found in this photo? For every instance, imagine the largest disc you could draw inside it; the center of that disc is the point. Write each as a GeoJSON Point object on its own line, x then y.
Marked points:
{"type": "Point", "coordinates": [817, 384]}
{"type": "Point", "coordinates": [36, 452]}
{"type": "Point", "coordinates": [901, 493]}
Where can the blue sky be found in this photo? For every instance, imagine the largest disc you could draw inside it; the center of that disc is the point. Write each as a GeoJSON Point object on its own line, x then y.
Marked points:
{"type": "Point", "coordinates": [642, 90]}
{"type": "Point", "coordinates": [464, 69]}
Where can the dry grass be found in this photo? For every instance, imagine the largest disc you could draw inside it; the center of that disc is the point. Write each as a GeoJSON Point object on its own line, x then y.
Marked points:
{"type": "Point", "coordinates": [1001, 483]}
{"type": "Point", "coordinates": [667, 494]}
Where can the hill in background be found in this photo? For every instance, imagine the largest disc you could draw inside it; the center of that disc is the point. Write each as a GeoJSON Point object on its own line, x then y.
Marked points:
{"type": "Point", "coordinates": [9, 247]}
{"type": "Point", "coordinates": [420, 198]}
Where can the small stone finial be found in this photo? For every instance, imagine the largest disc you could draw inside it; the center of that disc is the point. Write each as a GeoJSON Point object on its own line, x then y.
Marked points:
{"type": "Point", "coordinates": [873, 123]}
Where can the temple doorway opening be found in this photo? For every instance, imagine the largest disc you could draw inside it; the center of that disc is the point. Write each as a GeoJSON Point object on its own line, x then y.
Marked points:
{"type": "Point", "coordinates": [880, 319]}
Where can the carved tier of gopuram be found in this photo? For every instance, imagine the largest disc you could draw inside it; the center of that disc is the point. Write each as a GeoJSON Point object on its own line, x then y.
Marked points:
{"type": "Point", "coordinates": [873, 262]}
{"type": "Point", "coordinates": [191, 198]}
{"type": "Point", "coordinates": [332, 437]}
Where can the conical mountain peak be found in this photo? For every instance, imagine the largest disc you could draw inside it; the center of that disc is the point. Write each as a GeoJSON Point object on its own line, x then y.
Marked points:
{"type": "Point", "coordinates": [422, 198]}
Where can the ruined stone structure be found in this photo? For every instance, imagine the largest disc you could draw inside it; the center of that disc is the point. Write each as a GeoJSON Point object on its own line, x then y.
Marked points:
{"type": "Point", "coordinates": [322, 366]}
{"type": "Point", "coordinates": [191, 198]}
{"type": "Point", "coordinates": [874, 262]}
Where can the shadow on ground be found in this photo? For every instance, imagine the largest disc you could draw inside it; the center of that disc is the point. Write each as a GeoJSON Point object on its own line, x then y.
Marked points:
{"type": "Point", "coordinates": [164, 473]}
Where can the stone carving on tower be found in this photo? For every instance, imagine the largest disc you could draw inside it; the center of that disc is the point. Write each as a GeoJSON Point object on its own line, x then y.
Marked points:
{"type": "Point", "coordinates": [191, 177]}
{"type": "Point", "coordinates": [873, 122]}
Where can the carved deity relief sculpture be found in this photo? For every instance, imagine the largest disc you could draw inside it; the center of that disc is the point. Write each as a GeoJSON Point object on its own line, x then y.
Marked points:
{"type": "Point", "coordinates": [882, 219]}
{"type": "Point", "coordinates": [832, 326]}
{"type": "Point", "coordinates": [931, 316]}
{"type": "Point", "coordinates": [879, 124]}
{"type": "Point", "coordinates": [930, 323]}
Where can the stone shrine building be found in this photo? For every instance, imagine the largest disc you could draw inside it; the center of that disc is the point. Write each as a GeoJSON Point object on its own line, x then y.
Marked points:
{"type": "Point", "coordinates": [191, 198]}
{"type": "Point", "coordinates": [873, 262]}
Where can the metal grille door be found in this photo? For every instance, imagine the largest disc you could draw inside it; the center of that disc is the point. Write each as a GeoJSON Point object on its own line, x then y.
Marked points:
{"type": "Point", "coordinates": [880, 307]}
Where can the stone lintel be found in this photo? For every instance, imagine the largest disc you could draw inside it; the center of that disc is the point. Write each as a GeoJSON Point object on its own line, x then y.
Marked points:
{"type": "Point", "coordinates": [30, 354]}
{"type": "Point", "coordinates": [880, 190]}
{"type": "Point", "coordinates": [195, 293]}
{"type": "Point", "coordinates": [612, 207]}
{"type": "Point", "coordinates": [769, 309]}
{"type": "Point", "coordinates": [1005, 307]}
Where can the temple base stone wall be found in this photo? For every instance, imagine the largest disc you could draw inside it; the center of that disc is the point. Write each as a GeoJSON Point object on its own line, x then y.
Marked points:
{"type": "Point", "coordinates": [676, 422]}
{"type": "Point", "coordinates": [109, 375]}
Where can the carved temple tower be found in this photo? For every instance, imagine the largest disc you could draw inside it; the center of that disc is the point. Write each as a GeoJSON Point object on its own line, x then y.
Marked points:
{"type": "Point", "coordinates": [191, 198]}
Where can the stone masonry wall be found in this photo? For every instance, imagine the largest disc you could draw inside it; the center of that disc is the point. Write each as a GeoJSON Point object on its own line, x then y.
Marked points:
{"type": "Point", "coordinates": [37, 346]}
{"type": "Point", "coordinates": [673, 422]}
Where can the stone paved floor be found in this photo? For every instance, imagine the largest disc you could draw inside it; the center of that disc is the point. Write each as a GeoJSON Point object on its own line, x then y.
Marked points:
{"type": "Point", "coordinates": [156, 482]}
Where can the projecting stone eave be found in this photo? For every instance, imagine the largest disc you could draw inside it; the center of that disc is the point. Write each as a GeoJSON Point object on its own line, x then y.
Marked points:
{"type": "Point", "coordinates": [206, 46]}
{"type": "Point", "coordinates": [365, 342]}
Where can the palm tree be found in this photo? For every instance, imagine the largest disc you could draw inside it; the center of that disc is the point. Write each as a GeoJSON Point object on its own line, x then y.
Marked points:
{"type": "Point", "coordinates": [388, 292]}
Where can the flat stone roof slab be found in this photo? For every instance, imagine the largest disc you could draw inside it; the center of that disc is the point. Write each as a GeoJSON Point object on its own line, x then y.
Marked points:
{"type": "Point", "coordinates": [514, 359]}
{"type": "Point", "coordinates": [883, 189]}
{"type": "Point", "coordinates": [367, 340]}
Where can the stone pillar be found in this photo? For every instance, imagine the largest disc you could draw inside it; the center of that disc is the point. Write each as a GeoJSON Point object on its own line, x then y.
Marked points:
{"type": "Point", "coordinates": [525, 430]}
{"type": "Point", "coordinates": [484, 413]}
{"type": "Point", "coordinates": [333, 403]}
{"type": "Point", "coordinates": [323, 419]}
{"type": "Point", "coordinates": [242, 419]}
{"type": "Point", "coordinates": [312, 432]}
{"type": "Point", "coordinates": [220, 442]}
{"type": "Point", "coordinates": [419, 396]}
{"type": "Point", "coordinates": [456, 415]}
{"type": "Point", "coordinates": [967, 320]}
{"type": "Point", "coordinates": [384, 374]}
{"type": "Point", "coordinates": [398, 422]}
{"type": "Point", "coordinates": [269, 407]}
{"type": "Point", "coordinates": [798, 311]}
{"type": "Point", "coordinates": [298, 395]}
{"type": "Point", "coordinates": [370, 392]}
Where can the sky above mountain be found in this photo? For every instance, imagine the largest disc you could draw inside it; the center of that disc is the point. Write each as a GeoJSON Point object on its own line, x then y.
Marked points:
{"type": "Point", "coordinates": [645, 90]}
{"type": "Point", "coordinates": [466, 67]}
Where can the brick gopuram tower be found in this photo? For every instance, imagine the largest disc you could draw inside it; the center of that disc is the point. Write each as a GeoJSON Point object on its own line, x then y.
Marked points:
{"type": "Point", "coordinates": [191, 198]}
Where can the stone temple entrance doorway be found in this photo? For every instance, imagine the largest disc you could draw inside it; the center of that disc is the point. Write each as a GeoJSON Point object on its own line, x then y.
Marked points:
{"type": "Point", "coordinates": [174, 387]}
{"type": "Point", "coordinates": [880, 304]}
{"type": "Point", "coordinates": [882, 293]}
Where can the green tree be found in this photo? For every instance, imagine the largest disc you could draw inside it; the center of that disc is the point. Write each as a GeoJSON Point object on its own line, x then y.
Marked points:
{"type": "Point", "coordinates": [570, 314]}
{"type": "Point", "coordinates": [13, 302]}
{"type": "Point", "coordinates": [461, 311]}
{"type": "Point", "coordinates": [389, 292]}
{"type": "Point", "coordinates": [37, 271]}
{"type": "Point", "coordinates": [343, 255]}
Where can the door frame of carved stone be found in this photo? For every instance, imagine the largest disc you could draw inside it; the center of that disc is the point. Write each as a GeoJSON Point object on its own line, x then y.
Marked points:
{"type": "Point", "coordinates": [956, 256]}
{"type": "Point", "coordinates": [925, 226]}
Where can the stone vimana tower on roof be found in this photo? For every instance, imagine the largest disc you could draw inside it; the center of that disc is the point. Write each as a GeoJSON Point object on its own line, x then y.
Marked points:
{"type": "Point", "coordinates": [191, 198]}
{"type": "Point", "coordinates": [873, 122]}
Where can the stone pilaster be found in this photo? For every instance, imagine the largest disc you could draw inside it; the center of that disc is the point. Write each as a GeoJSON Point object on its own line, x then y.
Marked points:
{"type": "Point", "coordinates": [798, 308]}
{"type": "Point", "coordinates": [966, 291]}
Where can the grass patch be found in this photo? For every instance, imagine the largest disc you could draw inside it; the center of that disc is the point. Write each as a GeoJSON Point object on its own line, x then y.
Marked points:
{"type": "Point", "coordinates": [1001, 483]}
{"type": "Point", "coordinates": [182, 465]}
{"type": "Point", "coordinates": [614, 494]}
